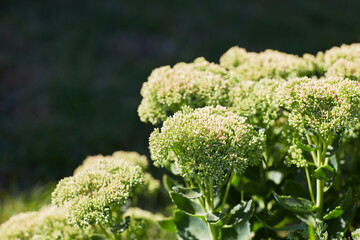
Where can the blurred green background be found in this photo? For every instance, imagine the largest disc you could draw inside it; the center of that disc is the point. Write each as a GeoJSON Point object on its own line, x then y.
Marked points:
{"type": "Point", "coordinates": [71, 71]}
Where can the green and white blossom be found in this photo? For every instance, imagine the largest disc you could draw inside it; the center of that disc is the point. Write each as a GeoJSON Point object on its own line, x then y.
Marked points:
{"type": "Point", "coordinates": [46, 224]}
{"type": "Point", "coordinates": [345, 52]}
{"type": "Point", "coordinates": [196, 84]}
{"type": "Point", "coordinates": [326, 106]}
{"type": "Point", "coordinates": [206, 143]}
{"type": "Point", "coordinates": [92, 194]}
{"type": "Point", "coordinates": [267, 64]}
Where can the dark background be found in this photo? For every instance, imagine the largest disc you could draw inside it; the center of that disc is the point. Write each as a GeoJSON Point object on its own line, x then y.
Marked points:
{"type": "Point", "coordinates": [71, 71]}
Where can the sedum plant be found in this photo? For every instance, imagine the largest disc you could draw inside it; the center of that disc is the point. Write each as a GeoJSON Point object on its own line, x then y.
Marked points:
{"type": "Point", "coordinates": [207, 146]}
{"type": "Point", "coordinates": [98, 195]}
{"type": "Point", "coordinates": [320, 111]}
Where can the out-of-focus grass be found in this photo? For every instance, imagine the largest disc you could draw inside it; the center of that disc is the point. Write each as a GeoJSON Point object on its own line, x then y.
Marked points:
{"type": "Point", "coordinates": [14, 201]}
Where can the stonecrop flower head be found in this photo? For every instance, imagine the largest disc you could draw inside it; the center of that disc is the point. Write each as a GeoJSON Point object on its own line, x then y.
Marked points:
{"type": "Point", "coordinates": [345, 68]}
{"type": "Point", "coordinates": [131, 158]}
{"type": "Point", "coordinates": [46, 224]}
{"type": "Point", "coordinates": [251, 99]}
{"type": "Point", "coordinates": [326, 106]}
{"type": "Point", "coordinates": [267, 64]}
{"type": "Point", "coordinates": [196, 84]}
{"type": "Point", "coordinates": [90, 194]}
{"type": "Point", "coordinates": [207, 142]}
{"type": "Point", "coordinates": [346, 52]}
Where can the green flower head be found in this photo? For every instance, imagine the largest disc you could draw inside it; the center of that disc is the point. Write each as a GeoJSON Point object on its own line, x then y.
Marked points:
{"type": "Point", "coordinates": [252, 99]}
{"type": "Point", "coordinates": [131, 158]}
{"type": "Point", "coordinates": [326, 106]}
{"type": "Point", "coordinates": [206, 142]}
{"type": "Point", "coordinates": [46, 224]}
{"type": "Point", "coordinates": [196, 84]}
{"type": "Point", "coordinates": [345, 68]}
{"type": "Point", "coordinates": [90, 194]}
{"type": "Point", "coordinates": [267, 64]}
{"type": "Point", "coordinates": [345, 52]}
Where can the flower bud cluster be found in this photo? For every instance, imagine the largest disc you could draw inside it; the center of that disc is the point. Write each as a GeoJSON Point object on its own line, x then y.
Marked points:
{"type": "Point", "coordinates": [207, 142]}
{"type": "Point", "coordinates": [267, 64]}
{"type": "Point", "coordinates": [326, 105]}
{"type": "Point", "coordinates": [131, 158]}
{"type": "Point", "coordinates": [196, 84]}
{"type": "Point", "coordinates": [252, 99]}
{"type": "Point", "coordinates": [46, 224]}
{"type": "Point", "coordinates": [341, 61]}
{"type": "Point", "coordinates": [295, 156]}
{"type": "Point", "coordinates": [90, 194]}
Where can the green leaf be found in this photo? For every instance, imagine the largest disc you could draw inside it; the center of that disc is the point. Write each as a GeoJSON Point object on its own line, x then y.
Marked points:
{"type": "Point", "coordinates": [168, 224]}
{"type": "Point", "coordinates": [333, 148]}
{"type": "Point", "coordinates": [186, 205]}
{"type": "Point", "coordinates": [254, 188]}
{"type": "Point", "coordinates": [294, 204]}
{"type": "Point", "coordinates": [189, 227]}
{"type": "Point", "coordinates": [305, 147]}
{"type": "Point", "coordinates": [334, 162]}
{"type": "Point", "coordinates": [341, 224]}
{"type": "Point", "coordinates": [238, 232]}
{"type": "Point", "coordinates": [340, 209]}
{"type": "Point", "coordinates": [295, 189]}
{"type": "Point", "coordinates": [213, 217]}
{"type": "Point", "coordinates": [188, 192]}
{"type": "Point", "coordinates": [240, 213]}
{"type": "Point", "coordinates": [324, 173]}
{"type": "Point", "coordinates": [124, 224]}
{"type": "Point", "coordinates": [168, 182]}
{"type": "Point", "coordinates": [289, 228]}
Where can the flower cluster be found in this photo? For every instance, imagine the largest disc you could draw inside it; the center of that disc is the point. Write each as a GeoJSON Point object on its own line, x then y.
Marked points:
{"type": "Point", "coordinates": [251, 99]}
{"type": "Point", "coordinates": [326, 105]}
{"type": "Point", "coordinates": [47, 224]}
{"type": "Point", "coordinates": [267, 64]}
{"type": "Point", "coordinates": [206, 142]}
{"type": "Point", "coordinates": [341, 61]}
{"type": "Point", "coordinates": [356, 234]}
{"type": "Point", "coordinates": [131, 158]}
{"type": "Point", "coordinates": [345, 68]}
{"type": "Point", "coordinates": [90, 194]}
{"type": "Point", "coordinates": [196, 84]}
{"type": "Point", "coordinates": [331, 56]}
{"type": "Point", "coordinates": [144, 225]}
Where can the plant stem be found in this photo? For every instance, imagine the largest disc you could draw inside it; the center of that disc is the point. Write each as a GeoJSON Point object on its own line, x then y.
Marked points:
{"type": "Point", "coordinates": [227, 190]}
{"type": "Point", "coordinates": [320, 196]}
{"type": "Point", "coordinates": [103, 230]}
{"type": "Point", "coordinates": [308, 177]}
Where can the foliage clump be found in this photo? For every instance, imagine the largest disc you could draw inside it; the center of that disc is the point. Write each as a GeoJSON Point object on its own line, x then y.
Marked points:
{"type": "Point", "coordinates": [90, 195]}
{"type": "Point", "coordinates": [46, 224]}
{"type": "Point", "coordinates": [267, 64]}
{"type": "Point", "coordinates": [196, 84]}
{"type": "Point", "coordinates": [206, 142]}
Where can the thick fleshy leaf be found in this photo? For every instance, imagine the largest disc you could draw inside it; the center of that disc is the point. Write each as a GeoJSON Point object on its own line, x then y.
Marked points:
{"type": "Point", "coordinates": [168, 182]}
{"type": "Point", "coordinates": [324, 173]}
{"type": "Point", "coordinates": [189, 227]}
{"type": "Point", "coordinates": [307, 148]}
{"type": "Point", "coordinates": [295, 189]}
{"type": "Point", "coordinates": [294, 204]}
{"type": "Point", "coordinates": [288, 228]}
{"type": "Point", "coordinates": [341, 207]}
{"type": "Point", "coordinates": [237, 232]}
{"type": "Point", "coordinates": [240, 213]}
{"type": "Point", "coordinates": [188, 192]}
{"type": "Point", "coordinates": [186, 205]}
{"type": "Point", "coordinates": [341, 224]}
{"type": "Point", "coordinates": [333, 148]}
{"type": "Point", "coordinates": [168, 224]}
